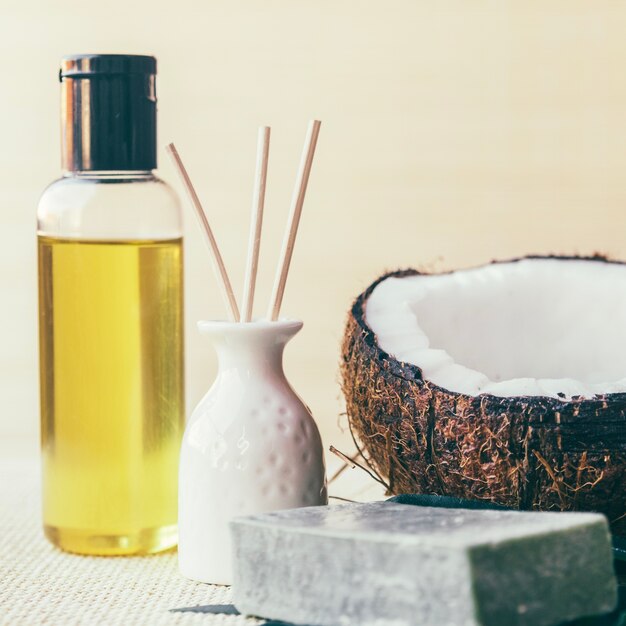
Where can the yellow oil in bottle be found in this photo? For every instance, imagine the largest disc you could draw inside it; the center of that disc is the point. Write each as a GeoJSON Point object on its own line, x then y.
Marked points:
{"type": "Point", "coordinates": [112, 403]}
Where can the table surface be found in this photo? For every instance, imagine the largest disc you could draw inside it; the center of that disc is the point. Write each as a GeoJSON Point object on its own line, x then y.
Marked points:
{"type": "Point", "coordinates": [39, 584]}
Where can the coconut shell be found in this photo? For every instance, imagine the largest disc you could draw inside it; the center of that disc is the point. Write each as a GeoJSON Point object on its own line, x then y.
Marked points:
{"type": "Point", "coordinates": [536, 453]}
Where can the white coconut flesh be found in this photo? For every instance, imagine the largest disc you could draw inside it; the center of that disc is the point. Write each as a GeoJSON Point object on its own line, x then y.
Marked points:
{"type": "Point", "coordinates": [536, 327]}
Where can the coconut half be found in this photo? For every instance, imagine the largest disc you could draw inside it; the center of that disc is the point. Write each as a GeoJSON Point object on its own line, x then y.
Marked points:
{"type": "Point", "coordinates": [505, 382]}
{"type": "Point", "coordinates": [532, 327]}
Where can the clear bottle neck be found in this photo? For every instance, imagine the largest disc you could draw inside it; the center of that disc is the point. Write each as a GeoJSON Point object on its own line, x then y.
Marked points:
{"type": "Point", "coordinates": [110, 175]}
{"type": "Point", "coordinates": [107, 204]}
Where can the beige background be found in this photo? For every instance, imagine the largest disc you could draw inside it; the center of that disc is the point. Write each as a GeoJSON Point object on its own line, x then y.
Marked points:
{"type": "Point", "coordinates": [454, 132]}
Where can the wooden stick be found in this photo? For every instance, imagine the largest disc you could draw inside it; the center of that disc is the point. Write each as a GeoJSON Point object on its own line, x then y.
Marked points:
{"type": "Point", "coordinates": [297, 200]}
{"type": "Point", "coordinates": [338, 473]}
{"type": "Point", "coordinates": [256, 222]}
{"type": "Point", "coordinates": [342, 499]}
{"type": "Point", "coordinates": [218, 262]}
{"type": "Point", "coordinates": [352, 463]}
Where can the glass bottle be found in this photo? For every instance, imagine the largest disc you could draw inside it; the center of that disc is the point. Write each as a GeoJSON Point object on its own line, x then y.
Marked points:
{"type": "Point", "coordinates": [110, 318]}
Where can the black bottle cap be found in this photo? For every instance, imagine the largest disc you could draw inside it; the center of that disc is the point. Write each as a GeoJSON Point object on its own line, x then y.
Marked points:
{"type": "Point", "coordinates": [108, 112]}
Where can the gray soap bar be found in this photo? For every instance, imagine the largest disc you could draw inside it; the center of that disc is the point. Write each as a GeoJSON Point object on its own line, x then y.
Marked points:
{"type": "Point", "coordinates": [393, 564]}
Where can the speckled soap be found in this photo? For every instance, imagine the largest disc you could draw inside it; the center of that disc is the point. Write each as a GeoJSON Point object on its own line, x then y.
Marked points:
{"type": "Point", "coordinates": [396, 565]}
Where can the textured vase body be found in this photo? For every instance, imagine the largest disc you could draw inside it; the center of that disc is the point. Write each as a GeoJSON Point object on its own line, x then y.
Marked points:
{"type": "Point", "coordinates": [251, 446]}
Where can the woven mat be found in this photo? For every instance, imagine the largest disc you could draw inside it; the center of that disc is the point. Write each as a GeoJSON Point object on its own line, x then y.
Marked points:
{"type": "Point", "coordinates": [42, 585]}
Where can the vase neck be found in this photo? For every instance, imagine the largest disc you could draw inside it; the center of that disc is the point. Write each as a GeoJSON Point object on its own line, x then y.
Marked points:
{"type": "Point", "coordinates": [258, 359]}
{"type": "Point", "coordinates": [255, 347]}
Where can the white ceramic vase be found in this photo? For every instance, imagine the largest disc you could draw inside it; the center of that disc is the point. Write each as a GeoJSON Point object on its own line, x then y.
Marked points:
{"type": "Point", "coordinates": [251, 446]}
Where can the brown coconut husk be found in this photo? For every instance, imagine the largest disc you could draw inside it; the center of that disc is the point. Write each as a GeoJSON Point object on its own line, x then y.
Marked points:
{"type": "Point", "coordinates": [534, 453]}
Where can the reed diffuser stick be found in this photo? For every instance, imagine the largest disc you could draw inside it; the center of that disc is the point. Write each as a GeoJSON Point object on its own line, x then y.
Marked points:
{"type": "Point", "coordinates": [297, 200]}
{"type": "Point", "coordinates": [256, 222]}
{"type": "Point", "coordinates": [218, 262]}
